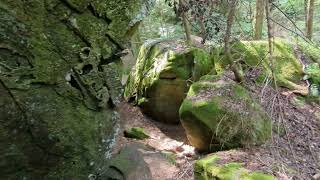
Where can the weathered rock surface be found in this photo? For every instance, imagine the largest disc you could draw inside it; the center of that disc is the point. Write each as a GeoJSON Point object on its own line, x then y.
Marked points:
{"type": "Point", "coordinates": [220, 114]}
{"type": "Point", "coordinates": [129, 164]}
{"type": "Point", "coordinates": [58, 87]}
{"type": "Point", "coordinates": [162, 76]}
{"type": "Point", "coordinates": [137, 161]}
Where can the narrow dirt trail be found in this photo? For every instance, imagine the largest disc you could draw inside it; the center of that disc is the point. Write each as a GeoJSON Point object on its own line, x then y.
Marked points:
{"type": "Point", "coordinates": [168, 140]}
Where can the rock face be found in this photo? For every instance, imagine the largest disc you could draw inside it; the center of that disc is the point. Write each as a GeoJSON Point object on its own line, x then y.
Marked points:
{"type": "Point", "coordinates": [59, 84]}
{"type": "Point", "coordinates": [162, 75]}
{"type": "Point", "coordinates": [220, 114]}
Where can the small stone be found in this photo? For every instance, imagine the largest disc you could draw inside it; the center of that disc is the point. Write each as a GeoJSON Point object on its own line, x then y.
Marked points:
{"type": "Point", "coordinates": [136, 133]}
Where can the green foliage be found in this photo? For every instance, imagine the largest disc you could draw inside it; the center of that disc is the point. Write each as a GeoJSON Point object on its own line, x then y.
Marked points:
{"type": "Point", "coordinates": [171, 157]}
{"type": "Point", "coordinates": [294, 9]}
{"type": "Point", "coordinates": [213, 16]}
{"type": "Point", "coordinates": [312, 72]}
{"type": "Point", "coordinates": [161, 23]}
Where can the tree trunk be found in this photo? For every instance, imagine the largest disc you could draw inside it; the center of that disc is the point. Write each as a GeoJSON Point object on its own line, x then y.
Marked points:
{"type": "Point", "coordinates": [306, 4]}
{"type": "Point", "coordinates": [203, 29]}
{"type": "Point", "coordinates": [259, 19]}
{"type": "Point", "coordinates": [310, 19]}
{"type": "Point", "coordinates": [270, 37]}
{"type": "Point", "coordinates": [234, 66]}
{"type": "Point", "coordinates": [186, 24]}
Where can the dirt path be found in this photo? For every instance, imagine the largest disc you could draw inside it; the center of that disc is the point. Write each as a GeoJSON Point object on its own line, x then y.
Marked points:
{"type": "Point", "coordinates": [169, 140]}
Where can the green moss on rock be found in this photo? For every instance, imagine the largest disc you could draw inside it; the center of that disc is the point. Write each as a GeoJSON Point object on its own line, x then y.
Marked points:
{"type": "Point", "coordinates": [287, 67]}
{"type": "Point", "coordinates": [136, 133]}
{"type": "Point", "coordinates": [208, 168]}
{"type": "Point", "coordinates": [58, 88]}
{"type": "Point", "coordinates": [310, 50]}
{"type": "Point", "coordinates": [220, 114]}
{"type": "Point", "coordinates": [162, 75]}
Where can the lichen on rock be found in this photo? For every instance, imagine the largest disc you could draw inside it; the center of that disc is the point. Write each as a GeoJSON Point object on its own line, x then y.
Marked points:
{"type": "Point", "coordinates": [59, 84]}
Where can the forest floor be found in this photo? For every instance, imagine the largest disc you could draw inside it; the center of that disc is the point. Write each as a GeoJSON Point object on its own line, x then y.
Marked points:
{"type": "Point", "coordinates": [292, 153]}
{"type": "Point", "coordinates": [169, 140]}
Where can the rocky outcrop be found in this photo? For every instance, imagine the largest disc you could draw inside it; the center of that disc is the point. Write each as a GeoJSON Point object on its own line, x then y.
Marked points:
{"type": "Point", "coordinates": [162, 75]}
{"type": "Point", "coordinates": [220, 114]}
{"type": "Point", "coordinates": [59, 84]}
{"type": "Point", "coordinates": [254, 55]}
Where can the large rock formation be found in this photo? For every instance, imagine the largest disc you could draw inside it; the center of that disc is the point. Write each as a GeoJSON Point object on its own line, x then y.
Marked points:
{"type": "Point", "coordinates": [59, 84]}
{"type": "Point", "coordinates": [220, 114]}
{"type": "Point", "coordinates": [162, 75]}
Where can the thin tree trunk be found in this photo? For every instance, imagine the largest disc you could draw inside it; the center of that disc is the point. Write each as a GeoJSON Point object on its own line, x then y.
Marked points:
{"type": "Point", "coordinates": [270, 38]}
{"type": "Point", "coordinates": [306, 4]}
{"type": "Point", "coordinates": [203, 29]}
{"type": "Point", "coordinates": [186, 24]}
{"type": "Point", "coordinates": [234, 66]}
{"type": "Point", "coordinates": [310, 20]}
{"type": "Point", "coordinates": [259, 19]}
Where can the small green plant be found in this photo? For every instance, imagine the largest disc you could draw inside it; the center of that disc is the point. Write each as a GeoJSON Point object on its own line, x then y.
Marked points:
{"type": "Point", "coordinates": [312, 74]}
{"type": "Point", "coordinates": [171, 157]}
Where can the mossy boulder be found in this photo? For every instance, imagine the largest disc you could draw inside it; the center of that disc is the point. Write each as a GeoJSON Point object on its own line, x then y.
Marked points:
{"type": "Point", "coordinates": [221, 114]}
{"type": "Point", "coordinates": [58, 87]}
{"type": "Point", "coordinates": [209, 168]}
{"type": "Point", "coordinates": [162, 75]}
{"type": "Point", "coordinates": [288, 68]}
{"type": "Point", "coordinates": [310, 50]}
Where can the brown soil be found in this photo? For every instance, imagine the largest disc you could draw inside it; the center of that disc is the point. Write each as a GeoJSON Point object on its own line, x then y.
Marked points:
{"type": "Point", "coordinates": [168, 140]}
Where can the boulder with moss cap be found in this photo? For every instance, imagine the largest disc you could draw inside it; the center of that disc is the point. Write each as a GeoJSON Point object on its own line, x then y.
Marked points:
{"type": "Point", "coordinates": [220, 114]}
{"type": "Point", "coordinates": [162, 75]}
